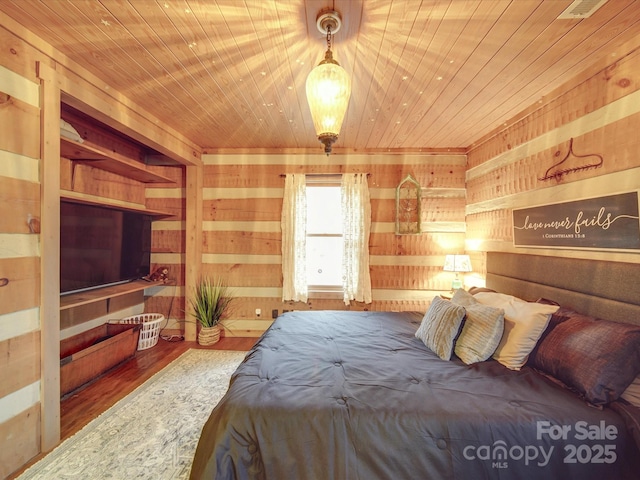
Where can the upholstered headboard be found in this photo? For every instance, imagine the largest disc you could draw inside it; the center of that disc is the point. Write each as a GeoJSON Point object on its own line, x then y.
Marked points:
{"type": "Point", "coordinates": [609, 290]}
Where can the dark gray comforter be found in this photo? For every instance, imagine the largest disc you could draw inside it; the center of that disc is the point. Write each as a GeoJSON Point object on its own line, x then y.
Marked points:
{"type": "Point", "coordinates": [354, 395]}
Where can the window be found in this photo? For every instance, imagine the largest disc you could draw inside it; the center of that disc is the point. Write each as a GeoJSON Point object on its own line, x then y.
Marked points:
{"type": "Point", "coordinates": [324, 234]}
{"type": "Point", "coordinates": [326, 220]}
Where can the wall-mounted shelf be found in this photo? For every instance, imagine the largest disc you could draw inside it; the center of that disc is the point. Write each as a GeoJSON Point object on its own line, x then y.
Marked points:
{"type": "Point", "coordinates": [110, 161]}
{"type": "Point", "coordinates": [105, 202]}
{"type": "Point", "coordinates": [104, 293]}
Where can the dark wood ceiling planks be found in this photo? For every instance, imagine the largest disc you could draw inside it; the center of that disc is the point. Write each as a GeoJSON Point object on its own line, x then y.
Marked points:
{"type": "Point", "coordinates": [427, 74]}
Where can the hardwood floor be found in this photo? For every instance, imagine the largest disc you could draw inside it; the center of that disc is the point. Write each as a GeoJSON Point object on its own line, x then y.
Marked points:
{"type": "Point", "coordinates": [80, 407]}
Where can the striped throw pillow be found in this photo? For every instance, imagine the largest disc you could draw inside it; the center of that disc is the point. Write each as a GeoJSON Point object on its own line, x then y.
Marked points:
{"type": "Point", "coordinates": [440, 326]}
{"type": "Point", "coordinates": [482, 330]}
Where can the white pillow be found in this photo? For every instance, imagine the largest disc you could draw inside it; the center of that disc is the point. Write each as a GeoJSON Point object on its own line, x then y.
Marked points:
{"type": "Point", "coordinates": [524, 323]}
{"type": "Point", "coordinates": [632, 393]}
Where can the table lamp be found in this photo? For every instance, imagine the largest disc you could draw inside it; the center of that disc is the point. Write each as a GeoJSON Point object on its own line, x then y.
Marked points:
{"type": "Point", "coordinates": [457, 263]}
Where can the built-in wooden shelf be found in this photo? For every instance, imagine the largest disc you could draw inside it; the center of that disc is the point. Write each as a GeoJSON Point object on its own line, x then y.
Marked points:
{"type": "Point", "coordinates": [110, 161]}
{"type": "Point", "coordinates": [70, 196]}
{"type": "Point", "coordinates": [104, 293]}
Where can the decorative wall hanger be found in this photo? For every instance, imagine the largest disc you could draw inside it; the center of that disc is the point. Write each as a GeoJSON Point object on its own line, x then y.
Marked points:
{"type": "Point", "coordinates": [408, 205]}
{"type": "Point", "coordinates": [558, 174]}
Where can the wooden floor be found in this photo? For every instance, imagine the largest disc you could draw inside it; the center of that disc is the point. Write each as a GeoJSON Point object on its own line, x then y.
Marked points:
{"type": "Point", "coordinates": [80, 407]}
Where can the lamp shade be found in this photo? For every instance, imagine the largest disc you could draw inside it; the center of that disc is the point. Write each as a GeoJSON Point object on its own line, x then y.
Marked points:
{"type": "Point", "coordinates": [457, 263]}
{"type": "Point", "coordinates": [328, 91]}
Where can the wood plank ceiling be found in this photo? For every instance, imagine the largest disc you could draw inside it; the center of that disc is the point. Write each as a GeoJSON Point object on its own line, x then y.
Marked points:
{"type": "Point", "coordinates": [427, 74]}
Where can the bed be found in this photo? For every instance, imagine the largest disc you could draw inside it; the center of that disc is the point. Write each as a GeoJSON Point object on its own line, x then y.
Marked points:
{"type": "Point", "coordinates": [357, 395]}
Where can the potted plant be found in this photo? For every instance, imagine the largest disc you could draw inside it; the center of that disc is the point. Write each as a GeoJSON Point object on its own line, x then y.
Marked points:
{"type": "Point", "coordinates": [210, 302]}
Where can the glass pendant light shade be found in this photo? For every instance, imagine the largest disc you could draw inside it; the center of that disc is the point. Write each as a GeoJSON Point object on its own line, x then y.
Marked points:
{"type": "Point", "coordinates": [328, 92]}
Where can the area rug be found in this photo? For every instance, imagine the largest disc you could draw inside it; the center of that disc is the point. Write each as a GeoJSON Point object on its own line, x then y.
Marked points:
{"type": "Point", "coordinates": [152, 433]}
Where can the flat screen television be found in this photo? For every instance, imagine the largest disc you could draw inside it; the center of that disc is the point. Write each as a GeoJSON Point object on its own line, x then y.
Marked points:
{"type": "Point", "coordinates": [102, 246]}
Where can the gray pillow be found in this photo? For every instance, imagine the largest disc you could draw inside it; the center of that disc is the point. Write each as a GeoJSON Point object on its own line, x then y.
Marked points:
{"type": "Point", "coordinates": [597, 358]}
{"type": "Point", "coordinates": [440, 326]}
{"type": "Point", "coordinates": [482, 329]}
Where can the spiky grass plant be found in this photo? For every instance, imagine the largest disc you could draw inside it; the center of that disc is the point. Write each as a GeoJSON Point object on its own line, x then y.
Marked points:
{"type": "Point", "coordinates": [210, 301]}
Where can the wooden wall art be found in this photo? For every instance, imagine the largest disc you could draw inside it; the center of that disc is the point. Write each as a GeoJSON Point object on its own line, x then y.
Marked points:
{"type": "Point", "coordinates": [408, 206]}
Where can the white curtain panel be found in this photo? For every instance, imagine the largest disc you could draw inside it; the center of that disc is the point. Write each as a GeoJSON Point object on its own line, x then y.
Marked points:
{"type": "Point", "coordinates": [294, 239]}
{"type": "Point", "coordinates": [356, 212]}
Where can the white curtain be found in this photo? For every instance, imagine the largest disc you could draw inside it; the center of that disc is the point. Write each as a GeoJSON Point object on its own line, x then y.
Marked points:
{"type": "Point", "coordinates": [294, 239]}
{"type": "Point", "coordinates": [356, 222]}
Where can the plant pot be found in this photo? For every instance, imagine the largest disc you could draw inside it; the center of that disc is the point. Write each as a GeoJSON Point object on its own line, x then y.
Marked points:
{"type": "Point", "coordinates": [209, 335]}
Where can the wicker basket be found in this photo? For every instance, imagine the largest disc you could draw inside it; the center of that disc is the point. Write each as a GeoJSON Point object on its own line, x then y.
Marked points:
{"type": "Point", "coordinates": [150, 331]}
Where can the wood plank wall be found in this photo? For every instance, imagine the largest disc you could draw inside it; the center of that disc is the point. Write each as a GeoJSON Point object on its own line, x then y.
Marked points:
{"type": "Point", "coordinates": [23, 430]}
{"type": "Point", "coordinates": [242, 204]}
{"type": "Point", "coordinates": [601, 112]}
{"type": "Point", "coordinates": [243, 197]}
{"type": "Point", "coordinates": [168, 244]}
{"type": "Point", "coordinates": [19, 271]}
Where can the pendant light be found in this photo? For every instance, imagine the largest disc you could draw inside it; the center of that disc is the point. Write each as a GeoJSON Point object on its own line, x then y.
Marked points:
{"type": "Point", "coordinates": [328, 86]}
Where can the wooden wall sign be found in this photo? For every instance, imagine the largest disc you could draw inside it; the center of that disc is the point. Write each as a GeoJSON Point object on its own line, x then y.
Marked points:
{"type": "Point", "coordinates": [609, 222]}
